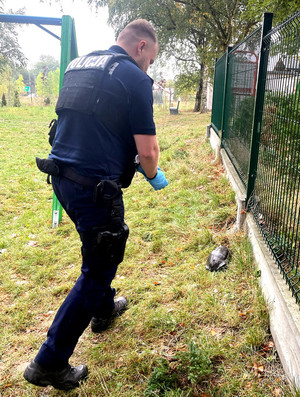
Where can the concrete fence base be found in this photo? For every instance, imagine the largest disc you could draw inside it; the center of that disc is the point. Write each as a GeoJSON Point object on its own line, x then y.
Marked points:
{"type": "Point", "coordinates": [283, 310]}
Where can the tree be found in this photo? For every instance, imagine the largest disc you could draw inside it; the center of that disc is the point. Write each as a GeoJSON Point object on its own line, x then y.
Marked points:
{"type": "Point", "coordinates": [46, 64]}
{"type": "Point", "coordinates": [10, 52]}
{"type": "Point", "coordinates": [53, 83]}
{"type": "Point", "coordinates": [3, 102]}
{"type": "Point", "coordinates": [282, 9]}
{"type": "Point", "coordinates": [17, 102]}
{"type": "Point", "coordinates": [47, 87]}
{"type": "Point", "coordinates": [41, 85]}
{"type": "Point", "coordinates": [7, 84]}
{"type": "Point", "coordinates": [194, 32]}
{"type": "Point", "coordinates": [20, 84]}
{"type": "Point", "coordinates": [186, 84]}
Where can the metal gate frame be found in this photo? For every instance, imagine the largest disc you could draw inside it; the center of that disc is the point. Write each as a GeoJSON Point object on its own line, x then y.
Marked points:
{"type": "Point", "coordinates": [68, 52]}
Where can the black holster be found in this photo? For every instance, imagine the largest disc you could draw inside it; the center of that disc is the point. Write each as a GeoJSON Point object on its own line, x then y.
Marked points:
{"type": "Point", "coordinates": [106, 191]}
{"type": "Point", "coordinates": [106, 248]}
{"type": "Point", "coordinates": [48, 166]}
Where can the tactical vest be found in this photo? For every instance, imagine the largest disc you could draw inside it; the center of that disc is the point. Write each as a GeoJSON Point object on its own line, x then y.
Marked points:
{"type": "Point", "coordinates": [81, 90]}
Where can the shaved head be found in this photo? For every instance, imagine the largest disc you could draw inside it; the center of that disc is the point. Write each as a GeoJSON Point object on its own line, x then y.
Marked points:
{"type": "Point", "coordinates": [139, 40]}
{"type": "Point", "coordinates": [137, 30]}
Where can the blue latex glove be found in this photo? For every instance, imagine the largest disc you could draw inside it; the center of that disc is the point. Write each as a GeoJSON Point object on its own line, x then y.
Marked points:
{"type": "Point", "coordinates": [158, 182]}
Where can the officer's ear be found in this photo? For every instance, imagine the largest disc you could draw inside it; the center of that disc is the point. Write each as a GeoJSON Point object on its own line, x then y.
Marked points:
{"type": "Point", "coordinates": [141, 46]}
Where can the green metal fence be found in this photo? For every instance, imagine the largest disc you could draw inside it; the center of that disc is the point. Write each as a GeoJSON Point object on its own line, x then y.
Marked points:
{"type": "Point", "coordinates": [261, 134]}
{"type": "Point", "coordinates": [218, 93]}
{"type": "Point", "coordinates": [239, 102]}
{"type": "Point", "coordinates": [275, 200]}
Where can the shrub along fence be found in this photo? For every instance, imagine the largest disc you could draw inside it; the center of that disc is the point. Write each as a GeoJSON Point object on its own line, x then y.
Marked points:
{"type": "Point", "coordinates": [256, 115]}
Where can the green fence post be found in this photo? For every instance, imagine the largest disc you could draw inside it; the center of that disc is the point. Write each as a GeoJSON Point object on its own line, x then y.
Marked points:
{"type": "Point", "coordinates": [258, 105]}
{"type": "Point", "coordinates": [224, 95]}
{"type": "Point", "coordinates": [68, 52]}
{"type": "Point", "coordinates": [214, 110]}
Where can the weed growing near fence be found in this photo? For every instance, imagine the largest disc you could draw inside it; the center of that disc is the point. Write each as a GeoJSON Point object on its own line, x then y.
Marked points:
{"type": "Point", "coordinates": [187, 332]}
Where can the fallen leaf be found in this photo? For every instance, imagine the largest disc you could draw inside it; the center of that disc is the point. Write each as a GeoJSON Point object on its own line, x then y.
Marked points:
{"type": "Point", "coordinates": [258, 369]}
{"type": "Point", "coordinates": [49, 313]}
{"type": "Point", "coordinates": [33, 243]}
{"type": "Point", "coordinates": [277, 392]}
{"type": "Point", "coordinates": [268, 346]}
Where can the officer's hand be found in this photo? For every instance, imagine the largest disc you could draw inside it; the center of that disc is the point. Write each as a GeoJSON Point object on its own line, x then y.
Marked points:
{"type": "Point", "coordinates": [158, 182]}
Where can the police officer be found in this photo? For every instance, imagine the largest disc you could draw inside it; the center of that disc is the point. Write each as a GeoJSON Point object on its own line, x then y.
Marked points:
{"type": "Point", "coordinates": [105, 131]}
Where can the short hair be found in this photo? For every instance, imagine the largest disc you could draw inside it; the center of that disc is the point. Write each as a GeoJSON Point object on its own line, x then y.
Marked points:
{"type": "Point", "coordinates": [136, 30]}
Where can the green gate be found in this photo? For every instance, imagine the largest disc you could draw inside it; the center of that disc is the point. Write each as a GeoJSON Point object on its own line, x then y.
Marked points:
{"type": "Point", "coordinates": [68, 52]}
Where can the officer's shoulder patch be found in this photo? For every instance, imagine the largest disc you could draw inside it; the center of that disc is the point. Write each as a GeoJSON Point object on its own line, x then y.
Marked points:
{"type": "Point", "coordinates": [113, 67]}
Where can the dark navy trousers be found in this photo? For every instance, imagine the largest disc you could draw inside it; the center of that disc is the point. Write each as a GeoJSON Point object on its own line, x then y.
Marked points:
{"type": "Point", "coordinates": [92, 294]}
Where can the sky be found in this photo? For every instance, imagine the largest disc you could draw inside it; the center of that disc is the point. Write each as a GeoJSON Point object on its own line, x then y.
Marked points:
{"type": "Point", "coordinates": [92, 30]}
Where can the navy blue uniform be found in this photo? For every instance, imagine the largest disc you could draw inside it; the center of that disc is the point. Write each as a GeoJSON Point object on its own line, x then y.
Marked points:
{"type": "Point", "coordinates": [102, 143]}
{"type": "Point", "coordinates": [95, 136]}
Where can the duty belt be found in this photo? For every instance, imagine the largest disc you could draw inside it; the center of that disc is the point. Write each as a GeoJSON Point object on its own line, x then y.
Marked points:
{"type": "Point", "coordinates": [50, 167]}
{"type": "Point", "coordinates": [69, 173]}
{"type": "Point", "coordinates": [105, 192]}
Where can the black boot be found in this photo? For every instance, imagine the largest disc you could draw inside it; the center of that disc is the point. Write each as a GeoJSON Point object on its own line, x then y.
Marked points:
{"type": "Point", "coordinates": [99, 324]}
{"type": "Point", "coordinates": [66, 379]}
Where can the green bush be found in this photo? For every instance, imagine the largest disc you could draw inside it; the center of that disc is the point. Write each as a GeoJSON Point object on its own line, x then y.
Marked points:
{"type": "Point", "coordinates": [161, 380]}
{"type": "Point", "coordinates": [194, 364]}
{"type": "Point", "coordinates": [191, 367]}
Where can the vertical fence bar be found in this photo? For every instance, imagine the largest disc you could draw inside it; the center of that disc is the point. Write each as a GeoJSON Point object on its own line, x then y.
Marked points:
{"type": "Point", "coordinates": [229, 48]}
{"type": "Point", "coordinates": [68, 52]}
{"type": "Point", "coordinates": [214, 99]}
{"type": "Point", "coordinates": [258, 107]}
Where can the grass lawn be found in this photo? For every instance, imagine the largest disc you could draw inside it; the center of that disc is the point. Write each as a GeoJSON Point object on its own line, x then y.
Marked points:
{"type": "Point", "coordinates": [187, 332]}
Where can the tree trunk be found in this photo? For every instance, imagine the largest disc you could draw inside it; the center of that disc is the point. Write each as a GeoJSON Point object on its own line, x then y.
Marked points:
{"type": "Point", "coordinates": [198, 98]}
{"type": "Point", "coordinates": [199, 93]}
{"type": "Point", "coordinates": [203, 108]}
